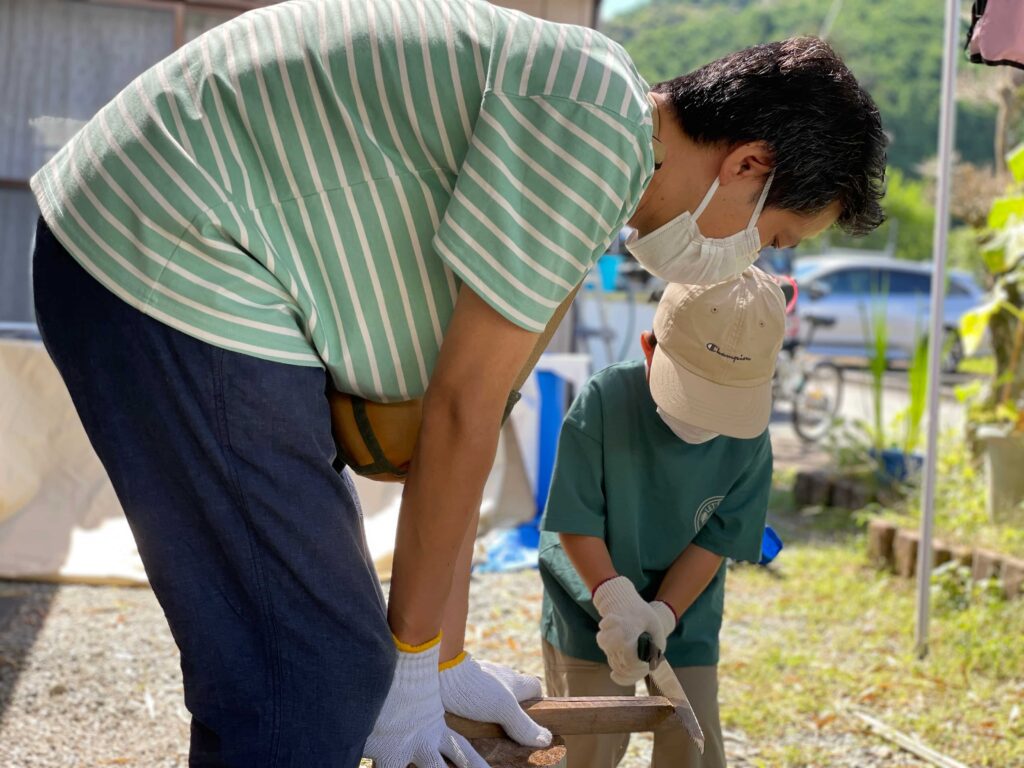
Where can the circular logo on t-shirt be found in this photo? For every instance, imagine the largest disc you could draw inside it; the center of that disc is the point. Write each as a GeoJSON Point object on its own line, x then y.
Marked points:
{"type": "Point", "coordinates": [705, 511]}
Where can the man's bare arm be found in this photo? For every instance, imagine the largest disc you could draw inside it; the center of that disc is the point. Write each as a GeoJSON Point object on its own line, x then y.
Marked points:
{"type": "Point", "coordinates": [481, 354]}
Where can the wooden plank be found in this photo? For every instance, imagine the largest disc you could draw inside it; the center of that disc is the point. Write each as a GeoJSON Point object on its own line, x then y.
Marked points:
{"type": "Point", "coordinates": [881, 535]}
{"type": "Point", "coordinates": [905, 553]}
{"type": "Point", "coordinates": [581, 715]}
{"type": "Point", "coordinates": [1013, 577]}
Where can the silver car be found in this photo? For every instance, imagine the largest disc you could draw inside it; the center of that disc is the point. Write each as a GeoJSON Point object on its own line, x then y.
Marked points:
{"type": "Point", "coordinates": [845, 287]}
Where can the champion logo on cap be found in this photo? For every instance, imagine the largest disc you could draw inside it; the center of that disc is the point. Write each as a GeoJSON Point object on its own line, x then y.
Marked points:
{"type": "Point", "coordinates": [712, 347]}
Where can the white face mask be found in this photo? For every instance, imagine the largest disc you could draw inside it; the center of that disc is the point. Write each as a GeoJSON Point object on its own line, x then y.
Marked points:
{"type": "Point", "coordinates": [687, 432]}
{"type": "Point", "coordinates": [678, 253]}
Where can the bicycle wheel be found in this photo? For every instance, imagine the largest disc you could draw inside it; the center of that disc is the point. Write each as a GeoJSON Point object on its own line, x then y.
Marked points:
{"type": "Point", "coordinates": [817, 401]}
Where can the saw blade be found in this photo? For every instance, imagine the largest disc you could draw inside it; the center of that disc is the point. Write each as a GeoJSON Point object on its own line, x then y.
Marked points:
{"type": "Point", "coordinates": [663, 681]}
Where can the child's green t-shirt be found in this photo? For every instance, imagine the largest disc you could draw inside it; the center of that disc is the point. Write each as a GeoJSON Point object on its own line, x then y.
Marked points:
{"type": "Point", "coordinates": [621, 474]}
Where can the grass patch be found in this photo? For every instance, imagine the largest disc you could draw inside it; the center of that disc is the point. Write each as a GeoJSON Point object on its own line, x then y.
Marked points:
{"type": "Point", "coordinates": [823, 631]}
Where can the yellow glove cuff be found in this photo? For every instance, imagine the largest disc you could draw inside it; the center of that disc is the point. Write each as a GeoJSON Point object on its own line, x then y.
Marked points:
{"type": "Point", "coordinates": [452, 662]}
{"type": "Point", "coordinates": [406, 648]}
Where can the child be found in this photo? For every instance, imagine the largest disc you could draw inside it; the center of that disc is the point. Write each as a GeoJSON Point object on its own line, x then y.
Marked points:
{"type": "Point", "coordinates": [663, 471]}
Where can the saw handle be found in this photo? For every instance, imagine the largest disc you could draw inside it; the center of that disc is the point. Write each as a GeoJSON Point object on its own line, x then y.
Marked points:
{"type": "Point", "coordinates": [647, 651]}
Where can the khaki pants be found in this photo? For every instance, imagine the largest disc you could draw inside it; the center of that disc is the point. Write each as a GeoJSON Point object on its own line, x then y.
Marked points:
{"type": "Point", "coordinates": [567, 676]}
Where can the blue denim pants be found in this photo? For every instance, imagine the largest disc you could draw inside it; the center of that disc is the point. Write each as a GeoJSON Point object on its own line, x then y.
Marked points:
{"type": "Point", "coordinates": [252, 541]}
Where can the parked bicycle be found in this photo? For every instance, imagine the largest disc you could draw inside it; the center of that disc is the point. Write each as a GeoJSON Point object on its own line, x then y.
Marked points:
{"type": "Point", "coordinates": [813, 387]}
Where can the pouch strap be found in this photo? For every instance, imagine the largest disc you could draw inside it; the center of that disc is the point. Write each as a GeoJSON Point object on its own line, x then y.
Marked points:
{"type": "Point", "coordinates": [380, 464]}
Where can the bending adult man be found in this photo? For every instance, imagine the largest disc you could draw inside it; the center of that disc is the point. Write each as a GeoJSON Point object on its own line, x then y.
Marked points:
{"type": "Point", "coordinates": [393, 197]}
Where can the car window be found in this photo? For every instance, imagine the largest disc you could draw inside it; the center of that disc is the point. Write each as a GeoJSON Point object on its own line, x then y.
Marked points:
{"type": "Point", "coordinates": [956, 288]}
{"type": "Point", "coordinates": [850, 281]}
{"type": "Point", "coordinates": [902, 282]}
{"type": "Point", "coordinates": [803, 271]}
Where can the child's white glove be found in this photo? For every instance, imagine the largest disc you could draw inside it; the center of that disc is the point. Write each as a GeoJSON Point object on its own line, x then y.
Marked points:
{"type": "Point", "coordinates": [410, 729]}
{"type": "Point", "coordinates": [491, 693]}
{"type": "Point", "coordinates": [624, 617]}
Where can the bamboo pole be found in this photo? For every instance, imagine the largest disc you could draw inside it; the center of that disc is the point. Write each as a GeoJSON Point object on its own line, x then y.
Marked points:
{"type": "Point", "coordinates": [908, 743]}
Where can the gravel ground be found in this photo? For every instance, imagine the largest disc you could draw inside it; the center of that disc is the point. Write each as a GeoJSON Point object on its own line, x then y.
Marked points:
{"type": "Point", "coordinates": [89, 677]}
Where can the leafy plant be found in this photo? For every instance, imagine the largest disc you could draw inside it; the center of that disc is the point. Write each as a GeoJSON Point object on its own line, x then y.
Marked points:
{"type": "Point", "coordinates": [910, 221]}
{"type": "Point", "coordinates": [851, 445]}
{"type": "Point", "coordinates": [893, 48]}
{"type": "Point", "coordinates": [859, 447]}
{"type": "Point", "coordinates": [955, 590]}
{"type": "Point", "coordinates": [876, 328]}
{"type": "Point", "coordinates": [1002, 317]}
{"type": "Point", "coordinates": [917, 385]}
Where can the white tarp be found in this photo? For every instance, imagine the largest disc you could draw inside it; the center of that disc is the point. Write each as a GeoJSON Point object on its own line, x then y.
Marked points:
{"type": "Point", "coordinates": [60, 519]}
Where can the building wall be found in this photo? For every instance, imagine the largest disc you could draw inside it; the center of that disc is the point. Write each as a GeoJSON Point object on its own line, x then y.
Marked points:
{"type": "Point", "coordinates": [60, 61]}
{"type": "Point", "coordinates": [565, 11]}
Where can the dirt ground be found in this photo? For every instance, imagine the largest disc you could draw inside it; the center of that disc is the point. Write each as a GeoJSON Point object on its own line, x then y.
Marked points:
{"type": "Point", "coordinates": [89, 675]}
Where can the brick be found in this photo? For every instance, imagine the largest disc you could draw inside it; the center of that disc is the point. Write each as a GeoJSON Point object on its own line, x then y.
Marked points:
{"type": "Point", "coordinates": [812, 489]}
{"type": "Point", "coordinates": [1013, 577]}
{"type": "Point", "coordinates": [941, 553]}
{"type": "Point", "coordinates": [905, 553]}
{"type": "Point", "coordinates": [860, 495]}
{"type": "Point", "coordinates": [849, 493]}
{"type": "Point", "coordinates": [963, 555]}
{"type": "Point", "coordinates": [881, 534]}
{"type": "Point", "coordinates": [802, 489]}
{"type": "Point", "coordinates": [985, 565]}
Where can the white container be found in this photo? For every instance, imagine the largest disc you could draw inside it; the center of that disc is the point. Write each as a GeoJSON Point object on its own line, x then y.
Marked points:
{"type": "Point", "coordinates": [1004, 473]}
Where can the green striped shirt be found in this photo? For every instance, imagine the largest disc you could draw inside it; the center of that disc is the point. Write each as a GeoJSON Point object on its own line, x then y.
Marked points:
{"type": "Point", "coordinates": [311, 182]}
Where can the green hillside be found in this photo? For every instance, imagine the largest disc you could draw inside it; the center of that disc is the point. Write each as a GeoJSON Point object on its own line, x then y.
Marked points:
{"type": "Point", "coordinates": [894, 48]}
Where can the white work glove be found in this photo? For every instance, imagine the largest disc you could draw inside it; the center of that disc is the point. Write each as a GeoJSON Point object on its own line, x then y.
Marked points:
{"type": "Point", "coordinates": [411, 729]}
{"type": "Point", "coordinates": [624, 617]}
{"type": "Point", "coordinates": [491, 693]}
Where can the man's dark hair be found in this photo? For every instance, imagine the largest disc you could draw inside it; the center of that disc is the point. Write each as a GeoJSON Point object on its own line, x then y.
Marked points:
{"type": "Point", "coordinates": [798, 97]}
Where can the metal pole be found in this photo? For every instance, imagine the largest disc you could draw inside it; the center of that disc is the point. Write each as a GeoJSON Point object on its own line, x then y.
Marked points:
{"type": "Point", "coordinates": [947, 126]}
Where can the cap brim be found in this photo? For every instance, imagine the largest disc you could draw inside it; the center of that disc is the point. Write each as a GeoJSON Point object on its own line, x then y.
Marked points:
{"type": "Point", "coordinates": [742, 412]}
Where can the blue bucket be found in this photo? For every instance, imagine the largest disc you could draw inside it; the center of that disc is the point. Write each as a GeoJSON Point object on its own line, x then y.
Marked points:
{"type": "Point", "coordinates": [771, 545]}
{"type": "Point", "coordinates": [608, 266]}
{"type": "Point", "coordinates": [897, 466]}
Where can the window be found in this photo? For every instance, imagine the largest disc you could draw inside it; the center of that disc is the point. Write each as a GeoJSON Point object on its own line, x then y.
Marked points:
{"type": "Point", "coordinates": [910, 283]}
{"type": "Point", "coordinates": [61, 61]}
{"type": "Point", "coordinates": [199, 21]}
{"type": "Point", "coordinates": [851, 281]}
{"type": "Point", "coordinates": [956, 288]}
{"type": "Point", "coordinates": [18, 215]}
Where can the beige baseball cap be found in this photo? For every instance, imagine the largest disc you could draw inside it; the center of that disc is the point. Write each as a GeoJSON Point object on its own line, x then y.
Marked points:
{"type": "Point", "coordinates": [716, 351]}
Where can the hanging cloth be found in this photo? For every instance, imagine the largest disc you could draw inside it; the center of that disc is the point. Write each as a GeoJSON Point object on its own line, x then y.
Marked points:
{"type": "Point", "coordinates": [996, 35]}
